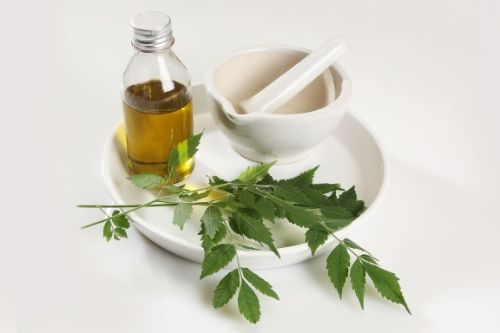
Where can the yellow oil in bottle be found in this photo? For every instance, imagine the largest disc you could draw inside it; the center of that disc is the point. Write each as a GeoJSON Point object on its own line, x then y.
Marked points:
{"type": "Point", "coordinates": [155, 122]}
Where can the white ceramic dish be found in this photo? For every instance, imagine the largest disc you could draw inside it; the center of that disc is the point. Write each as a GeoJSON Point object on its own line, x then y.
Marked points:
{"type": "Point", "coordinates": [350, 155]}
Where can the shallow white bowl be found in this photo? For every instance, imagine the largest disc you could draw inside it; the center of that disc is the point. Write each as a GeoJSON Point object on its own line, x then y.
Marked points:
{"type": "Point", "coordinates": [350, 155]}
{"type": "Point", "coordinates": [301, 124]}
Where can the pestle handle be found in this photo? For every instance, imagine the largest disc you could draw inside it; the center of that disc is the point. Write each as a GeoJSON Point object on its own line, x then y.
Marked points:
{"type": "Point", "coordinates": [289, 84]}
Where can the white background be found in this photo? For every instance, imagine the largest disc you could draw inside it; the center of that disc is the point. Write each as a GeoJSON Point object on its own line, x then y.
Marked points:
{"type": "Point", "coordinates": [425, 77]}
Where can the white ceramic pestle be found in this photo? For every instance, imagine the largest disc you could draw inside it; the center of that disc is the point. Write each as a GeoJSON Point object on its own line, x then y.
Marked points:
{"type": "Point", "coordinates": [285, 87]}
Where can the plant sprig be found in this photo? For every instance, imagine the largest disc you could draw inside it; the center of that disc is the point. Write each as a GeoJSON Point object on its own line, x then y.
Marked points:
{"type": "Point", "coordinates": [238, 217]}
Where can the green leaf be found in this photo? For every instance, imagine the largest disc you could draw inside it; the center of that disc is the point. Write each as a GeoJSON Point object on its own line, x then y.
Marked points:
{"type": "Point", "coordinates": [326, 188]}
{"type": "Point", "coordinates": [175, 189]}
{"type": "Point", "coordinates": [334, 213]}
{"type": "Point", "coordinates": [181, 153]}
{"type": "Point", "coordinates": [207, 243]}
{"type": "Point", "coordinates": [253, 228]}
{"type": "Point", "coordinates": [315, 198]}
{"type": "Point", "coordinates": [267, 180]}
{"type": "Point", "coordinates": [349, 200]}
{"type": "Point", "coordinates": [218, 258]}
{"type": "Point", "coordinates": [248, 303]}
{"type": "Point", "coordinates": [120, 232]}
{"type": "Point", "coordinates": [368, 258]}
{"type": "Point", "coordinates": [302, 180]}
{"type": "Point", "coordinates": [214, 181]}
{"type": "Point", "coordinates": [247, 247]}
{"type": "Point", "coordinates": [259, 283]}
{"type": "Point", "coordinates": [182, 212]}
{"type": "Point", "coordinates": [107, 230]}
{"type": "Point", "coordinates": [194, 196]}
{"type": "Point", "coordinates": [193, 143]}
{"type": "Point", "coordinates": [333, 199]}
{"type": "Point", "coordinates": [120, 221]}
{"type": "Point", "coordinates": [290, 193]}
{"type": "Point", "coordinates": [212, 221]}
{"type": "Point", "coordinates": [358, 281]}
{"type": "Point", "coordinates": [234, 206]}
{"type": "Point", "coordinates": [337, 265]}
{"type": "Point", "coordinates": [303, 217]}
{"type": "Point", "coordinates": [246, 197]}
{"type": "Point", "coordinates": [386, 283]}
{"type": "Point", "coordinates": [352, 245]}
{"type": "Point", "coordinates": [266, 208]}
{"type": "Point", "coordinates": [336, 217]}
{"type": "Point", "coordinates": [226, 289]}
{"type": "Point", "coordinates": [255, 173]}
{"type": "Point", "coordinates": [147, 180]}
{"type": "Point", "coordinates": [315, 237]}
{"type": "Point", "coordinates": [281, 211]}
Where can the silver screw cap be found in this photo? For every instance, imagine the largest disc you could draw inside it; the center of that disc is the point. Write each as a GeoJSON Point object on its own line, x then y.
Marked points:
{"type": "Point", "coordinates": [152, 32]}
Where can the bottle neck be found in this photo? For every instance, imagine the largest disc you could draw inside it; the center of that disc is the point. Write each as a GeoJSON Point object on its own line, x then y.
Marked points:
{"type": "Point", "coordinates": [153, 45]}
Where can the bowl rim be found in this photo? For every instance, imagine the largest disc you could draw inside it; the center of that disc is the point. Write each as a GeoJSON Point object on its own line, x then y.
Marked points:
{"type": "Point", "coordinates": [345, 91]}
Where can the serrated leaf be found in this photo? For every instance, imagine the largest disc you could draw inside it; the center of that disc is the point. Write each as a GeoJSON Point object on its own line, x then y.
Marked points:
{"type": "Point", "coordinates": [147, 180]}
{"type": "Point", "coordinates": [333, 199]}
{"type": "Point", "coordinates": [315, 237]}
{"type": "Point", "coordinates": [253, 228]}
{"type": "Point", "coordinates": [259, 283]}
{"type": "Point", "coordinates": [333, 213]}
{"type": "Point", "coordinates": [207, 243]}
{"type": "Point", "coordinates": [255, 173]}
{"type": "Point", "coordinates": [290, 193]}
{"type": "Point", "coordinates": [337, 265]}
{"type": "Point", "coordinates": [193, 143]}
{"type": "Point", "coordinates": [336, 217]}
{"type": "Point", "coordinates": [349, 200]}
{"type": "Point", "coordinates": [315, 198]}
{"type": "Point", "coordinates": [280, 211]}
{"type": "Point", "coordinates": [214, 180]}
{"type": "Point", "coordinates": [303, 217]}
{"type": "Point", "coordinates": [233, 206]}
{"type": "Point", "coordinates": [352, 245]}
{"type": "Point", "coordinates": [182, 152]}
{"type": "Point", "coordinates": [218, 258]}
{"type": "Point", "coordinates": [304, 179]}
{"type": "Point", "coordinates": [120, 232]}
{"type": "Point", "coordinates": [120, 220]}
{"type": "Point", "coordinates": [246, 197]}
{"type": "Point", "coordinates": [212, 221]}
{"type": "Point", "coordinates": [267, 180]}
{"type": "Point", "coordinates": [358, 281]}
{"type": "Point", "coordinates": [248, 303]}
{"type": "Point", "coordinates": [369, 259]}
{"type": "Point", "coordinates": [386, 283]}
{"type": "Point", "coordinates": [226, 289]}
{"type": "Point", "coordinates": [182, 213]}
{"type": "Point", "coordinates": [107, 231]}
{"type": "Point", "coordinates": [266, 208]}
{"type": "Point", "coordinates": [235, 225]}
{"type": "Point", "coordinates": [326, 188]}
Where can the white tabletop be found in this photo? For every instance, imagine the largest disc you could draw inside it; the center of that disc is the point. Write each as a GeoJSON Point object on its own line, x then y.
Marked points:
{"type": "Point", "coordinates": [425, 77]}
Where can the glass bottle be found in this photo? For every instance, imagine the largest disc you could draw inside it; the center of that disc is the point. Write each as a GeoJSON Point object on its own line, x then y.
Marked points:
{"type": "Point", "coordinates": [156, 96]}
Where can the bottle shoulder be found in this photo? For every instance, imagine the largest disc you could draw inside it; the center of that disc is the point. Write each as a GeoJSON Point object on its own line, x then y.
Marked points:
{"type": "Point", "coordinates": [163, 66]}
